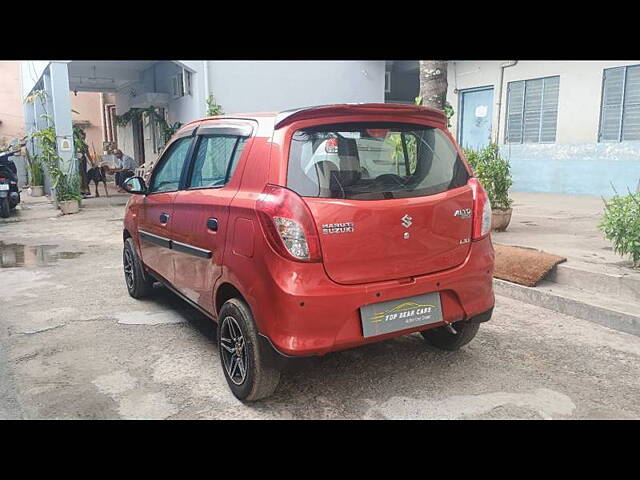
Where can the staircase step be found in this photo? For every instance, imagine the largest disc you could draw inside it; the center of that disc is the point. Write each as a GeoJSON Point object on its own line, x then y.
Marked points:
{"type": "Point", "coordinates": [602, 308]}
{"type": "Point", "coordinates": [624, 286]}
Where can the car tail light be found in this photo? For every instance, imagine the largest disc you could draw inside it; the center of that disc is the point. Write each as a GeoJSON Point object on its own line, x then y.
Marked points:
{"type": "Point", "coordinates": [481, 210]}
{"type": "Point", "coordinates": [288, 224]}
{"type": "Point", "coordinates": [2, 179]}
{"type": "Point", "coordinates": [331, 145]}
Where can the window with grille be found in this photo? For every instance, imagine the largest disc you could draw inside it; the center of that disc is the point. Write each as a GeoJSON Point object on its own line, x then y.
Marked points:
{"type": "Point", "coordinates": [181, 84]}
{"type": "Point", "coordinates": [178, 85]}
{"type": "Point", "coordinates": [620, 108]}
{"type": "Point", "coordinates": [532, 110]}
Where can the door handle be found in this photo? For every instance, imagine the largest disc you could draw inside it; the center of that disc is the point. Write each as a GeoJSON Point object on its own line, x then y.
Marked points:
{"type": "Point", "coordinates": [212, 224]}
{"type": "Point", "coordinates": [164, 218]}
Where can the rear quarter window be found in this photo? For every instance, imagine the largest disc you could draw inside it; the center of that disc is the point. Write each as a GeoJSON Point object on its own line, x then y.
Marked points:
{"type": "Point", "coordinates": [369, 161]}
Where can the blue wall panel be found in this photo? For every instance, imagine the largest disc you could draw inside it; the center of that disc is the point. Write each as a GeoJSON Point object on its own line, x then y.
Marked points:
{"type": "Point", "coordinates": [581, 169]}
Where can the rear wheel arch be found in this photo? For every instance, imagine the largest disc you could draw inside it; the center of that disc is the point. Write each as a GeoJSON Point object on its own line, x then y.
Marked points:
{"type": "Point", "coordinates": [227, 291]}
{"type": "Point", "coordinates": [136, 246]}
{"type": "Point", "coordinates": [139, 285]}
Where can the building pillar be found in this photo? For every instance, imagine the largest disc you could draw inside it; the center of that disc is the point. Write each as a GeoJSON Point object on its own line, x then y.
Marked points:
{"type": "Point", "coordinates": [58, 91]}
{"type": "Point", "coordinates": [47, 101]}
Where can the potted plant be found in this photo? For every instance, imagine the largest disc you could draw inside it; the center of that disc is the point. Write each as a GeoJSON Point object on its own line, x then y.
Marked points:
{"type": "Point", "coordinates": [36, 175]}
{"type": "Point", "coordinates": [65, 184]}
{"type": "Point", "coordinates": [494, 174]}
{"type": "Point", "coordinates": [68, 193]}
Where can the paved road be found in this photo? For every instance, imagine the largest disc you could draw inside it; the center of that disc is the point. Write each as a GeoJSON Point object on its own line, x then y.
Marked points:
{"type": "Point", "coordinates": [9, 406]}
{"type": "Point", "coordinates": [77, 346]}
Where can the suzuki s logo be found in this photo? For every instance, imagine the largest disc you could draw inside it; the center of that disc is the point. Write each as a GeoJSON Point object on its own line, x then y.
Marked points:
{"type": "Point", "coordinates": [463, 213]}
{"type": "Point", "coordinates": [407, 221]}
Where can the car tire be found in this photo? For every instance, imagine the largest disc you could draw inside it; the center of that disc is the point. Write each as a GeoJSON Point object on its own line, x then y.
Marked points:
{"type": "Point", "coordinates": [5, 211]}
{"type": "Point", "coordinates": [443, 339]}
{"type": "Point", "coordinates": [138, 284]}
{"type": "Point", "coordinates": [239, 347]}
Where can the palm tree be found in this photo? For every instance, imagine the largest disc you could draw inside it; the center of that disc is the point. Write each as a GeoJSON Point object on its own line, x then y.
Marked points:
{"type": "Point", "coordinates": [433, 83]}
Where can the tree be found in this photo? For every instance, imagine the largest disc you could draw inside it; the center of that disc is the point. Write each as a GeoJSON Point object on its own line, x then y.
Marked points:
{"type": "Point", "coordinates": [433, 83]}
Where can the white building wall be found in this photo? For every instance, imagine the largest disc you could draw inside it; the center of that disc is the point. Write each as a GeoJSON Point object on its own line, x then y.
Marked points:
{"type": "Point", "coordinates": [576, 162]}
{"type": "Point", "coordinates": [124, 98]}
{"type": "Point", "coordinates": [189, 107]}
{"type": "Point", "coordinates": [31, 72]}
{"type": "Point", "coordinates": [253, 86]}
{"type": "Point", "coordinates": [578, 100]}
{"type": "Point", "coordinates": [157, 79]}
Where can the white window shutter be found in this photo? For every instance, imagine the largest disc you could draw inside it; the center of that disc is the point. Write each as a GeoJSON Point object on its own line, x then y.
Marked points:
{"type": "Point", "coordinates": [532, 111]}
{"type": "Point", "coordinates": [611, 111]}
{"type": "Point", "coordinates": [549, 114]}
{"type": "Point", "coordinates": [515, 108]}
{"type": "Point", "coordinates": [631, 105]}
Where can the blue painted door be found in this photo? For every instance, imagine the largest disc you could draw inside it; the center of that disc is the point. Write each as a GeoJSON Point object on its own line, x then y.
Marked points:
{"type": "Point", "coordinates": [475, 121]}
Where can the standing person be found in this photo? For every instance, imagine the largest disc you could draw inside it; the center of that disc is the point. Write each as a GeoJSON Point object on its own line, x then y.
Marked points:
{"type": "Point", "coordinates": [82, 168]}
{"type": "Point", "coordinates": [82, 154]}
{"type": "Point", "coordinates": [125, 167]}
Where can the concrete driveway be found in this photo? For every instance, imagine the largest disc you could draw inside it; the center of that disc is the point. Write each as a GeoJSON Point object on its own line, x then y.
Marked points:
{"type": "Point", "coordinates": [73, 344]}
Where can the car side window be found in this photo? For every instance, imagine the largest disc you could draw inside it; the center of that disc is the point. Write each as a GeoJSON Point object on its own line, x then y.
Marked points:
{"type": "Point", "coordinates": [215, 160]}
{"type": "Point", "coordinates": [167, 176]}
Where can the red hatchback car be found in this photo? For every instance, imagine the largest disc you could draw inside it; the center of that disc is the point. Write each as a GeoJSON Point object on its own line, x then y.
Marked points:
{"type": "Point", "coordinates": [314, 230]}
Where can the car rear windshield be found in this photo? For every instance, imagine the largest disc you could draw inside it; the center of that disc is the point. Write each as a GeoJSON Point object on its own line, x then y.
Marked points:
{"type": "Point", "coordinates": [370, 161]}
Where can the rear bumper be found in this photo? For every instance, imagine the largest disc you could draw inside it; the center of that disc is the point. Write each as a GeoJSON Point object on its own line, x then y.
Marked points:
{"type": "Point", "coordinates": [282, 361]}
{"type": "Point", "coordinates": [302, 312]}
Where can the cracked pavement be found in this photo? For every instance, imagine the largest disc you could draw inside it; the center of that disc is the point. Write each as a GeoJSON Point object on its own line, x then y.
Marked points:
{"type": "Point", "coordinates": [73, 344]}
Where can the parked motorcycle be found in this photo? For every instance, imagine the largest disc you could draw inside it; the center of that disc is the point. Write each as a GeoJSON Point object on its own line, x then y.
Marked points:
{"type": "Point", "coordinates": [9, 192]}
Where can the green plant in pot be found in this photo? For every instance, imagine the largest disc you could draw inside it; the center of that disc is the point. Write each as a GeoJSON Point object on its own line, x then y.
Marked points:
{"type": "Point", "coordinates": [494, 173]}
{"type": "Point", "coordinates": [35, 173]}
{"type": "Point", "coordinates": [66, 184]}
{"type": "Point", "coordinates": [68, 193]}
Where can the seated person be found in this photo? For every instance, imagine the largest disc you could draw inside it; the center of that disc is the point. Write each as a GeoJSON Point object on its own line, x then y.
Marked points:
{"type": "Point", "coordinates": [125, 167]}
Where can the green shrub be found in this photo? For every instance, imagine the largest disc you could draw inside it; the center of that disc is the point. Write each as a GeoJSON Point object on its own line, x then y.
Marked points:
{"type": "Point", "coordinates": [68, 188]}
{"type": "Point", "coordinates": [67, 185]}
{"type": "Point", "coordinates": [494, 174]}
{"type": "Point", "coordinates": [621, 225]}
{"type": "Point", "coordinates": [34, 169]}
{"type": "Point", "coordinates": [213, 108]}
{"type": "Point", "coordinates": [36, 175]}
{"type": "Point", "coordinates": [448, 110]}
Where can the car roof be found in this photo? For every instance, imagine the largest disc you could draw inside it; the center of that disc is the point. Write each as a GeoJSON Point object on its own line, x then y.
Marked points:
{"type": "Point", "coordinates": [284, 117]}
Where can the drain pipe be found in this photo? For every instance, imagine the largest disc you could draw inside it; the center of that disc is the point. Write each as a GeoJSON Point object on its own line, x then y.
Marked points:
{"type": "Point", "coordinates": [508, 64]}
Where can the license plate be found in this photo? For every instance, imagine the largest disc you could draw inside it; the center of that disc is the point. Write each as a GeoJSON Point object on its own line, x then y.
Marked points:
{"type": "Point", "coordinates": [395, 315]}
{"type": "Point", "coordinates": [4, 186]}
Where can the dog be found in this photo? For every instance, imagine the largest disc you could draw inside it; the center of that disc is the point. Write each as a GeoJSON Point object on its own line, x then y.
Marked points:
{"type": "Point", "coordinates": [97, 175]}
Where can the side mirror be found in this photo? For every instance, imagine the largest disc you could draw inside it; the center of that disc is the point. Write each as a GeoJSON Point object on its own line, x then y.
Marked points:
{"type": "Point", "coordinates": [135, 185]}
